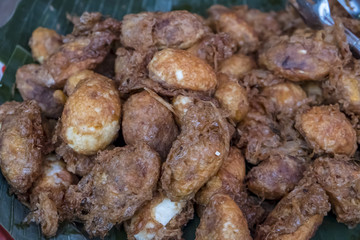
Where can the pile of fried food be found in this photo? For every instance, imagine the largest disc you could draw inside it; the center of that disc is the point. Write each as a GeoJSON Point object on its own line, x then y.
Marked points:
{"type": "Point", "coordinates": [250, 118]}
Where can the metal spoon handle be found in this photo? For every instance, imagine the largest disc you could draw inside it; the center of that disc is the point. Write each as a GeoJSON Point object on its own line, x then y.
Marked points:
{"type": "Point", "coordinates": [353, 41]}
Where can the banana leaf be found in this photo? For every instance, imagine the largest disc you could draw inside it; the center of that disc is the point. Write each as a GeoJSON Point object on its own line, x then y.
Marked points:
{"type": "Point", "coordinates": [14, 51]}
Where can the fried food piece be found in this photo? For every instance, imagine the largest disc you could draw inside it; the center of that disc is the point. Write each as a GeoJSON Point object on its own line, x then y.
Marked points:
{"type": "Point", "coordinates": [122, 180]}
{"type": "Point", "coordinates": [146, 119]}
{"type": "Point", "coordinates": [341, 180]}
{"type": "Point", "coordinates": [35, 83]}
{"type": "Point", "coordinates": [233, 98]}
{"type": "Point", "coordinates": [43, 43]}
{"type": "Point", "coordinates": [214, 48]}
{"type": "Point", "coordinates": [7, 108]}
{"type": "Point", "coordinates": [21, 142]}
{"type": "Point", "coordinates": [326, 129]}
{"type": "Point", "coordinates": [314, 91]}
{"type": "Point", "coordinates": [180, 69]}
{"type": "Point", "coordinates": [181, 105]}
{"type": "Point", "coordinates": [298, 214]}
{"type": "Point", "coordinates": [197, 153]}
{"type": "Point", "coordinates": [299, 57]}
{"type": "Point", "coordinates": [237, 65]}
{"type": "Point", "coordinates": [275, 177]}
{"type": "Point", "coordinates": [222, 219]}
{"type": "Point", "coordinates": [260, 78]}
{"type": "Point", "coordinates": [228, 180]}
{"type": "Point", "coordinates": [159, 219]}
{"type": "Point", "coordinates": [90, 120]}
{"type": "Point", "coordinates": [47, 195]}
{"type": "Point", "coordinates": [85, 48]}
{"type": "Point", "coordinates": [73, 80]}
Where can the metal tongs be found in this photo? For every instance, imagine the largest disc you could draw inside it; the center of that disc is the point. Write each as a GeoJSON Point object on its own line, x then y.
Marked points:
{"type": "Point", "coordinates": [316, 14]}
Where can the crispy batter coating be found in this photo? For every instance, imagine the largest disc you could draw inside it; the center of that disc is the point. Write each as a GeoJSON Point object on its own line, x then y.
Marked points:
{"type": "Point", "coordinates": [275, 177]}
{"type": "Point", "coordinates": [47, 195]}
{"type": "Point", "coordinates": [73, 80]}
{"type": "Point", "coordinates": [34, 83]}
{"type": "Point", "coordinates": [299, 57]}
{"type": "Point", "coordinates": [222, 220]}
{"type": "Point", "coordinates": [146, 119]}
{"type": "Point", "coordinates": [43, 43]}
{"type": "Point", "coordinates": [326, 129]}
{"type": "Point", "coordinates": [298, 214]}
{"type": "Point", "coordinates": [180, 69]}
{"type": "Point", "coordinates": [90, 120]}
{"type": "Point", "coordinates": [237, 65]}
{"type": "Point", "coordinates": [7, 108]}
{"type": "Point", "coordinates": [228, 180]}
{"type": "Point", "coordinates": [181, 105]}
{"type": "Point", "coordinates": [122, 180]}
{"type": "Point", "coordinates": [21, 142]}
{"type": "Point", "coordinates": [341, 180]}
{"type": "Point", "coordinates": [197, 153]}
{"type": "Point", "coordinates": [160, 219]}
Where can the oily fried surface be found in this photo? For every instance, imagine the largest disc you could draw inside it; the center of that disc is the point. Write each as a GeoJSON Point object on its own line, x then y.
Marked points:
{"type": "Point", "coordinates": [21, 142]}
{"type": "Point", "coordinates": [121, 181]}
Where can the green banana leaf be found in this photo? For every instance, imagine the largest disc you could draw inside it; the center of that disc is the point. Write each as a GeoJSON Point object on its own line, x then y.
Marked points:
{"type": "Point", "coordinates": [14, 51]}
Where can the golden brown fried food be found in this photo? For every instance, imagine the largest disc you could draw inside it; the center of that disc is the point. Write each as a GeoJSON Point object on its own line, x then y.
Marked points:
{"type": "Point", "coordinates": [214, 48]}
{"type": "Point", "coordinates": [122, 180]}
{"type": "Point", "coordinates": [233, 98]}
{"type": "Point", "coordinates": [197, 153]}
{"type": "Point", "coordinates": [297, 215]}
{"type": "Point", "coordinates": [90, 120]}
{"type": "Point", "coordinates": [181, 105]}
{"type": "Point", "coordinates": [159, 219]}
{"type": "Point", "coordinates": [47, 195]}
{"type": "Point", "coordinates": [237, 65]}
{"type": "Point", "coordinates": [86, 47]}
{"type": "Point", "coordinates": [43, 43]}
{"type": "Point", "coordinates": [21, 142]}
{"type": "Point", "coordinates": [314, 91]}
{"type": "Point", "coordinates": [299, 57]}
{"type": "Point", "coordinates": [73, 80]}
{"type": "Point", "coordinates": [326, 129]}
{"type": "Point", "coordinates": [146, 119]}
{"type": "Point", "coordinates": [7, 108]}
{"type": "Point", "coordinates": [228, 180]}
{"type": "Point", "coordinates": [222, 220]}
{"type": "Point", "coordinates": [35, 83]}
{"type": "Point", "coordinates": [180, 69]}
{"type": "Point", "coordinates": [275, 177]}
{"type": "Point", "coordinates": [341, 180]}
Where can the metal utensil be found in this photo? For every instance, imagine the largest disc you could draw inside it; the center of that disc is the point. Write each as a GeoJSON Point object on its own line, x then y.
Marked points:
{"type": "Point", "coordinates": [316, 14]}
{"type": "Point", "coordinates": [352, 7]}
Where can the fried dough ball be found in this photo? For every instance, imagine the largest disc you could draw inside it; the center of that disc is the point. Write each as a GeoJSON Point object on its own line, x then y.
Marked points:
{"type": "Point", "coordinates": [159, 219]}
{"type": "Point", "coordinates": [86, 47]}
{"type": "Point", "coordinates": [146, 119]}
{"type": "Point", "coordinates": [21, 142]}
{"type": "Point", "coordinates": [233, 98]}
{"type": "Point", "coordinates": [275, 177]}
{"type": "Point", "coordinates": [197, 153]}
{"type": "Point", "coordinates": [228, 180]}
{"type": "Point", "coordinates": [222, 220]}
{"type": "Point", "coordinates": [90, 120]}
{"type": "Point", "coordinates": [7, 108]}
{"type": "Point", "coordinates": [341, 181]}
{"type": "Point", "coordinates": [181, 105]}
{"type": "Point", "coordinates": [47, 195]}
{"type": "Point", "coordinates": [73, 80]}
{"type": "Point", "coordinates": [237, 65]}
{"type": "Point", "coordinates": [297, 215]}
{"type": "Point", "coordinates": [34, 83]}
{"type": "Point", "coordinates": [43, 43]}
{"type": "Point", "coordinates": [299, 58]}
{"type": "Point", "coordinates": [180, 69]}
{"type": "Point", "coordinates": [214, 48]}
{"type": "Point", "coordinates": [326, 129]}
{"type": "Point", "coordinates": [121, 181]}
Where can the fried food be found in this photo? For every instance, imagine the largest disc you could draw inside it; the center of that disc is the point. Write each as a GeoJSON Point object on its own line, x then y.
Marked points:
{"type": "Point", "coordinates": [159, 219]}
{"type": "Point", "coordinates": [7, 108]}
{"type": "Point", "coordinates": [222, 219]}
{"type": "Point", "coordinates": [21, 143]}
{"type": "Point", "coordinates": [326, 129]}
{"type": "Point", "coordinates": [341, 180]}
{"type": "Point", "coordinates": [180, 69]}
{"type": "Point", "coordinates": [90, 120]}
{"type": "Point", "coordinates": [43, 43]}
{"type": "Point", "coordinates": [121, 181]}
{"type": "Point", "coordinates": [47, 195]}
{"type": "Point", "coordinates": [181, 105]}
{"type": "Point", "coordinates": [237, 65]}
{"type": "Point", "coordinates": [73, 80]}
{"type": "Point", "coordinates": [298, 214]}
{"type": "Point", "coordinates": [35, 83]}
{"type": "Point", "coordinates": [197, 153]}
